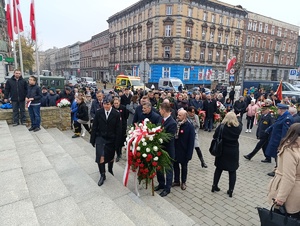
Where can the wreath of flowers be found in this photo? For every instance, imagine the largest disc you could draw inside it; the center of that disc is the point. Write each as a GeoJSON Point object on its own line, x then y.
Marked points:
{"type": "Point", "coordinates": [63, 102]}
{"type": "Point", "coordinates": [145, 155]}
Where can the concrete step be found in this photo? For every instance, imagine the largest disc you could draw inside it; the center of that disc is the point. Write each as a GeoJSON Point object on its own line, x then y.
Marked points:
{"type": "Point", "coordinates": [16, 206]}
{"type": "Point", "coordinates": [52, 201]}
{"type": "Point", "coordinates": [129, 203]}
{"type": "Point", "coordinates": [159, 205]}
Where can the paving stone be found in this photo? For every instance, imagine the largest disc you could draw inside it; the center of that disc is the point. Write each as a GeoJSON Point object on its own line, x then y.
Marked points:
{"type": "Point", "coordinates": [45, 187]}
{"type": "Point", "coordinates": [8, 141]}
{"type": "Point", "coordinates": [62, 162]}
{"type": "Point", "coordinates": [61, 212]}
{"type": "Point", "coordinates": [50, 149]}
{"type": "Point", "coordinates": [12, 186]}
{"type": "Point", "coordinates": [43, 138]}
{"type": "Point", "coordinates": [28, 149]}
{"type": "Point", "coordinates": [18, 213]}
{"type": "Point", "coordinates": [87, 163]}
{"type": "Point", "coordinates": [9, 160]}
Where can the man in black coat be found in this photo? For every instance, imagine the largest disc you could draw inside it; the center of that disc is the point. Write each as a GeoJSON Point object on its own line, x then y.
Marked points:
{"type": "Point", "coordinates": [240, 106]}
{"type": "Point", "coordinates": [67, 94]}
{"type": "Point", "coordinates": [96, 104]}
{"type": "Point", "coordinates": [16, 89]}
{"type": "Point", "coordinates": [293, 112]}
{"type": "Point", "coordinates": [231, 95]}
{"type": "Point", "coordinates": [265, 121]}
{"type": "Point", "coordinates": [145, 110]}
{"type": "Point", "coordinates": [170, 126]}
{"type": "Point", "coordinates": [124, 116]}
{"type": "Point", "coordinates": [184, 146]}
{"type": "Point", "coordinates": [126, 97]}
{"type": "Point", "coordinates": [106, 136]}
{"type": "Point", "coordinates": [210, 107]}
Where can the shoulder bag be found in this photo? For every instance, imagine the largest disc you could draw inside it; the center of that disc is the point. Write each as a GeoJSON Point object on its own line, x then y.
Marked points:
{"type": "Point", "coordinates": [216, 144]}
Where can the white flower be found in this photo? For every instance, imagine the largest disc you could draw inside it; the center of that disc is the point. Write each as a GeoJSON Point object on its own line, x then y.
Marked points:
{"type": "Point", "coordinates": [140, 125]}
{"type": "Point", "coordinates": [138, 148]}
{"type": "Point", "coordinates": [147, 149]}
{"type": "Point", "coordinates": [151, 138]}
{"type": "Point", "coordinates": [161, 140]}
{"type": "Point", "coordinates": [153, 130]}
{"type": "Point", "coordinates": [146, 120]}
{"type": "Point", "coordinates": [125, 143]}
{"type": "Point", "coordinates": [155, 148]}
{"type": "Point", "coordinates": [155, 158]}
{"type": "Point", "coordinates": [144, 144]}
{"type": "Point", "coordinates": [144, 155]}
{"type": "Point", "coordinates": [143, 139]}
{"type": "Point", "coordinates": [132, 128]}
{"type": "Point", "coordinates": [145, 128]}
{"type": "Point", "coordinates": [127, 138]}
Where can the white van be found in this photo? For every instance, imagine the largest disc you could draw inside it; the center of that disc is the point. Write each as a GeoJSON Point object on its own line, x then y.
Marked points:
{"type": "Point", "coordinates": [88, 81]}
{"type": "Point", "coordinates": [169, 83]}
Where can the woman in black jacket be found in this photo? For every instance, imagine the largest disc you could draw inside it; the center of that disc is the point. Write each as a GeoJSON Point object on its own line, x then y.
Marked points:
{"type": "Point", "coordinates": [83, 117]}
{"type": "Point", "coordinates": [33, 100]}
{"type": "Point", "coordinates": [229, 160]}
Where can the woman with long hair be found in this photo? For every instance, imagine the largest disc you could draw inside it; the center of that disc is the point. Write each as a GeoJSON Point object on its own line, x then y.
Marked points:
{"type": "Point", "coordinates": [284, 188]}
{"type": "Point", "coordinates": [229, 159]}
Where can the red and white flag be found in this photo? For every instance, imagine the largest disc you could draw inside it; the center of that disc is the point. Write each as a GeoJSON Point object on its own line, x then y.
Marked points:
{"type": "Point", "coordinates": [9, 23]}
{"type": "Point", "coordinates": [17, 12]}
{"type": "Point", "coordinates": [32, 21]}
{"type": "Point", "coordinates": [117, 67]}
{"type": "Point", "coordinates": [230, 63]}
{"type": "Point", "coordinates": [208, 74]}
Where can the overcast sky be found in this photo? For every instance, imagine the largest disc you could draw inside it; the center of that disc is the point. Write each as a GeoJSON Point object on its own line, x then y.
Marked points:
{"type": "Point", "coordinates": [64, 22]}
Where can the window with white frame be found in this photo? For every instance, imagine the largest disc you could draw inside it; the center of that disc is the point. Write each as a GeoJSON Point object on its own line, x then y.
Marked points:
{"type": "Point", "coordinates": [190, 12]}
{"type": "Point", "coordinates": [167, 52]}
{"type": "Point", "coordinates": [187, 54]}
{"type": "Point", "coordinates": [279, 32]}
{"type": "Point", "coordinates": [262, 57]}
{"type": "Point", "coordinates": [149, 13]}
{"type": "Point", "coordinates": [289, 48]}
{"type": "Point", "coordinates": [166, 72]}
{"type": "Point", "coordinates": [168, 30]}
{"type": "Point", "coordinates": [292, 61]}
{"type": "Point", "coordinates": [248, 41]}
{"type": "Point", "coordinates": [211, 36]}
{"type": "Point", "coordinates": [224, 56]}
{"type": "Point", "coordinates": [291, 35]}
{"type": "Point", "coordinates": [283, 46]}
{"type": "Point", "coordinates": [238, 24]}
{"type": "Point", "coordinates": [250, 25]}
{"type": "Point", "coordinates": [281, 60]}
{"type": "Point", "coordinates": [264, 43]}
{"type": "Point", "coordinates": [258, 43]}
{"type": "Point", "coordinates": [205, 16]}
{"type": "Point", "coordinates": [260, 27]}
{"type": "Point", "coordinates": [149, 52]}
{"type": "Point", "coordinates": [251, 57]}
{"type": "Point", "coordinates": [218, 56]}
{"type": "Point", "coordinates": [221, 20]}
{"type": "Point", "coordinates": [254, 26]}
{"type": "Point", "coordinates": [140, 35]}
{"type": "Point", "coordinates": [188, 32]}
{"type": "Point", "coordinates": [213, 18]}
{"type": "Point", "coordinates": [266, 28]}
{"type": "Point", "coordinates": [227, 21]}
{"type": "Point", "coordinates": [202, 54]}
{"type": "Point", "coordinates": [273, 30]}
{"type": "Point", "coordinates": [226, 40]}
{"type": "Point", "coordinates": [186, 73]}
{"type": "Point", "coordinates": [256, 57]}
{"type": "Point", "coordinates": [271, 44]}
{"type": "Point", "coordinates": [168, 10]}
{"type": "Point", "coordinates": [294, 48]}
{"type": "Point", "coordinates": [210, 54]}
{"type": "Point", "coordinates": [220, 34]}
{"type": "Point", "coordinates": [253, 42]}
{"type": "Point", "coordinates": [269, 58]}
{"type": "Point", "coordinates": [287, 61]}
{"type": "Point", "coordinates": [149, 33]}
{"type": "Point", "coordinates": [203, 34]}
{"type": "Point", "coordinates": [236, 40]}
{"type": "Point", "coordinates": [285, 33]}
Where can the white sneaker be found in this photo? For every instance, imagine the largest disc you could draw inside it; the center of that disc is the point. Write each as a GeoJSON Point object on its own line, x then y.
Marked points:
{"type": "Point", "coordinates": [247, 131]}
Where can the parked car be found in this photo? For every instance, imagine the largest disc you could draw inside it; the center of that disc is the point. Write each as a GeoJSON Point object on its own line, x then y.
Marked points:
{"type": "Point", "coordinates": [197, 89]}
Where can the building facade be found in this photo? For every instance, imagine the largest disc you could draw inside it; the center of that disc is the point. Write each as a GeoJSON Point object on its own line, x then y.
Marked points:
{"type": "Point", "coordinates": [271, 48]}
{"type": "Point", "coordinates": [187, 39]}
{"type": "Point", "coordinates": [298, 55]}
{"type": "Point", "coordinates": [62, 62]}
{"type": "Point", "coordinates": [86, 59]}
{"type": "Point", "coordinates": [4, 43]}
{"type": "Point", "coordinates": [100, 56]}
{"type": "Point", "coordinates": [74, 51]}
{"type": "Point", "coordinates": [50, 62]}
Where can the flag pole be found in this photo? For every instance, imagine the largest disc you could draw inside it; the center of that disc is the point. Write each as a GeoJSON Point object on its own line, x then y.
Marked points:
{"type": "Point", "coordinates": [20, 47]}
{"type": "Point", "coordinates": [37, 62]}
{"type": "Point", "coordinates": [11, 8]}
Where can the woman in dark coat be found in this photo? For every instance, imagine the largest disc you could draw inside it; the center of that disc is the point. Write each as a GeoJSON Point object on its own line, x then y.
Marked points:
{"type": "Point", "coordinates": [229, 160]}
{"type": "Point", "coordinates": [82, 115]}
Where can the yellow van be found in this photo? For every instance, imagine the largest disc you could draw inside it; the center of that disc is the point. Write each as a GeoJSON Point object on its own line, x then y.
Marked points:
{"type": "Point", "coordinates": [132, 82]}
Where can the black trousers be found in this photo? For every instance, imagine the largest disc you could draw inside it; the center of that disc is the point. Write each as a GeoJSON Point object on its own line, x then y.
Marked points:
{"type": "Point", "coordinates": [19, 111]}
{"type": "Point", "coordinates": [77, 127]}
{"type": "Point", "coordinates": [250, 120]}
{"type": "Point", "coordinates": [232, 178]}
{"type": "Point", "coordinates": [184, 170]}
{"type": "Point", "coordinates": [262, 143]}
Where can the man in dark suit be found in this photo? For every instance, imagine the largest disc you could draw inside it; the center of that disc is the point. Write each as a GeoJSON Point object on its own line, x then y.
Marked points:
{"type": "Point", "coordinates": [184, 146]}
{"type": "Point", "coordinates": [293, 112]}
{"type": "Point", "coordinates": [170, 126]}
{"type": "Point", "coordinates": [106, 136]}
{"type": "Point", "coordinates": [126, 97]}
{"type": "Point", "coordinates": [96, 104]}
{"type": "Point", "coordinates": [210, 107]}
{"type": "Point", "coordinates": [124, 116]}
{"type": "Point", "coordinates": [265, 121]}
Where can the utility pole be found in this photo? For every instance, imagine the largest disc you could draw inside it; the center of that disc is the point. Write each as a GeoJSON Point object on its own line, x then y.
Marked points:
{"type": "Point", "coordinates": [245, 46]}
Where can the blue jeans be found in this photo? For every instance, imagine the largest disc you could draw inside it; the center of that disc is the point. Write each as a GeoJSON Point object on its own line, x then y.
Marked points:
{"type": "Point", "coordinates": [208, 123]}
{"type": "Point", "coordinates": [35, 115]}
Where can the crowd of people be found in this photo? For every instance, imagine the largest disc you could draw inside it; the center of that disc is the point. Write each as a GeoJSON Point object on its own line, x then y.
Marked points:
{"type": "Point", "coordinates": [107, 116]}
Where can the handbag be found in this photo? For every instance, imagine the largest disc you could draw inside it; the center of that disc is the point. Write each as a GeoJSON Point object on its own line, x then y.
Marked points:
{"type": "Point", "coordinates": [271, 218]}
{"type": "Point", "coordinates": [216, 144]}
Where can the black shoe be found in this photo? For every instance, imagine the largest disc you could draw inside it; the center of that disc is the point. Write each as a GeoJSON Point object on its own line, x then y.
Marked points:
{"type": "Point", "coordinates": [15, 124]}
{"type": "Point", "coordinates": [118, 158]}
{"type": "Point", "coordinates": [215, 188]}
{"type": "Point", "coordinates": [102, 179]}
{"type": "Point", "coordinates": [164, 193]}
{"type": "Point", "coordinates": [183, 186]}
{"type": "Point", "coordinates": [266, 161]}
{"type": "Point", "coordinates": [271, 174]}
{"type": "Point", "coordinates": [247, 157]}
{"type": "Point", "coordinates": [229, 193]}
{"type": "Point", "coordinates": [75, 136]}
{"type": "Point", "coordinates": [175, 184]}
{"type": "Point", "coordinates": [36, 129]}
{"type": "Point", "coordinates": [209, 130]}
{"type": "Point", "coordinates": [110, 168]}
{"type": "Point", "coordinates": [31, 128]}
{"type": "Point", "coordinates": [205, 129]}
{"type": "Point", "coordinates": [158, 187]}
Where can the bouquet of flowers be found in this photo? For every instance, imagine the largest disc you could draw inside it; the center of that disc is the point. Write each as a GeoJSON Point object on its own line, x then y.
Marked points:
{"type": "Point", "coordinates": [63, 102]}
{"type": "Point", "coordinates": [202, 116]}
{"type": "Point", "coordinates": [145, 155]}
{"type": "Point", "coordinates": [222, 112]}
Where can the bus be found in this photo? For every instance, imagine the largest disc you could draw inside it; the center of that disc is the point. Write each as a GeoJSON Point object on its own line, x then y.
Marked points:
{"type": "Point", "coordinates": [56, 82]}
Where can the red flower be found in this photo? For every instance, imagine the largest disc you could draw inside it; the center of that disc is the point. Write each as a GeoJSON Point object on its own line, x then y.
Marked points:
{"type": "Point", "coordinates": [148, 160]}
{"type": "Point", "coordinates": [138, 154]}
{"type": "Point", "coordinates": [149, 156]}
{"type": "Point", "coordinates": [141, 165]}
{"type": "Point", "coordinates": [154, 163]}
{"type": "Point", "coordinates": [146, 171]}
{"type": "Point", "coordinates": [158, 168]}
{"type": "Point", "coordinates": [136, 165]}
{"type": "Point", "coordinates": [158, 153]}
{"type": "Point", "coordinates": [138, 160]}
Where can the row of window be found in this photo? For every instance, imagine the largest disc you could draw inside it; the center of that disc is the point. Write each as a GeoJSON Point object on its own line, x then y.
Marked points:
{"type": "Point", "coordinates": [100, 52]}
{"type": "Point", "coordinates": [268, 58]}
{"type": "Point", "coordinates": [255, 26]}
{"type": "Point", "coordinates": [202, 74]}
{"type": "Point", "coordinates": [100, 41]}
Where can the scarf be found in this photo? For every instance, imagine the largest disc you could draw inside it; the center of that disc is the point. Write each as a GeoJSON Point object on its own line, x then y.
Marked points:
{"type": "Point", "coordinates": [178, 127]}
